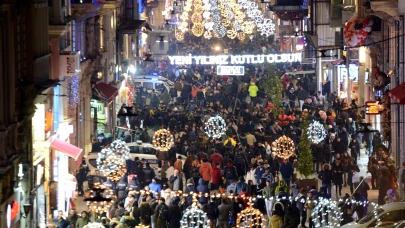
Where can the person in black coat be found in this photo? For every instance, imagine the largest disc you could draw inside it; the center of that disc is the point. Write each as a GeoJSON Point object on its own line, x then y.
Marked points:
{"type": "Point", "coordinates": [326, 177]}
{"type": "Point", "coordinates": [174, 216]}
{"type": "Point", "coordinates": [337, 178]}
{"type": "Point", "coordinates": [354, 147]}
{"type": "Point", "coordinates": [148, 174]}
{"type": "Point", "coordinates": [81, 177]}
{"type": "Point", "coordinates": [338, 146]}
{"type": "Point", "coordinates": [351, 169]}
{"type": "Point", "coordinates": [319, 155]}
{"type": "Point", "coordinates": [384, 186]}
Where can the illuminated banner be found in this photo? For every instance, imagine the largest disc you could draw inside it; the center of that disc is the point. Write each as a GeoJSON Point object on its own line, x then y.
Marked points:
{"type": "Point", "coordinates": [231, 70]}
{"type": "Point", "coordinates": [234, 59]}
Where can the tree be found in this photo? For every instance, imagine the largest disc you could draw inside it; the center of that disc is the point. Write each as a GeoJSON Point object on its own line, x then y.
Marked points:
{"type": "Point", "coordinates": [273, 87]}
{"type": "Point", "coordinates": [305, 161]}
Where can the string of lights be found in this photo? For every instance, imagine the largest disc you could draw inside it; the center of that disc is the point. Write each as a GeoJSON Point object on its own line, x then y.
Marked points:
{"type": "Point", "coordinates": [215, 127]}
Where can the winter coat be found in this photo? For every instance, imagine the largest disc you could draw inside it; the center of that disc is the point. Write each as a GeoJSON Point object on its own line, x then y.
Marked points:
{"type": "Point", "coordinates": [172, 179]}
{"type": "Point", "coordinates": [81, 222]}
{"type": "Point", "coordinates": [282, 187]}
{"type": "Point", "coordinates": [174, 216]}
{"type": "Point", "coordinates": [251, 176]}
{"type": "Point", "coordinates": [337, 174]}
{"type": "Point", "coordinates": [309, 205]}
{"type": "Point", "coordinates": [155, 188]}
{"type": "Point", "coordinates": [276, 221]}
{"type": "Point", "coordinates": [216, 175]}
{"type": "Point", "coordinates": [216, 158]}
{"type": "Point", "coordinates": [146, 212]}
{"type": "Point", "coordinates": [224, 212]}
{"type": "Point", "coordinates": [202, 188]}
{"type": "Point", "coordinates": [230, 172]}
{"type": "Point", "coordinates": [240, 186]}
{"type": "Point", "coordinates": [206, 171]}
{"type": "Point", "coordinates": [160, 223]}
{"type": "Point", "coordinates": [286, 171]}
{"type": "Point", "coordinates": [121, 189]}
{"type": "Point", "coordinates": [325, 176]}
{"type": "Point", "coordinates": [148, 174]}
{"type": "Point", "coordinates": [128, 220]}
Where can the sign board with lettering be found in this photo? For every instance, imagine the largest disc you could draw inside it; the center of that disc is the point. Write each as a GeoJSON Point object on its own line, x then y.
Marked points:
{"type": "Point", "coordinates": [231, 70]}
{"type": "Point", "coordinates": [372, 108]}
{"type": "Point", "coordinates": [235, 59]}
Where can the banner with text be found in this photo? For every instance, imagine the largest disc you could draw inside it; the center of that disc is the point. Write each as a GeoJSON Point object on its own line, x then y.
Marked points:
{"type": "Point", "coordinates": [235, 59]}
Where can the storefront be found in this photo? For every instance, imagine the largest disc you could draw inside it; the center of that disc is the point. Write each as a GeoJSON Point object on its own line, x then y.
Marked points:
{"type": "Point", "coordinates": [98, 114]}
{"type": "Point", "coordinates": [63, 181]}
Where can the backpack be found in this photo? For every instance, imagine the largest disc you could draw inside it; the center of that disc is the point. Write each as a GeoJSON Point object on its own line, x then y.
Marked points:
{"type": "Point", "coordinates": [163, 212]}
{"type": "Point", "coordinates": [229, 173]}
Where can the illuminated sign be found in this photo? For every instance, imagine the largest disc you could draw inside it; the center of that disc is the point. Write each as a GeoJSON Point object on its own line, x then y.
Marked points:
{"type": "Point", "coordinates": [234, 59]}
{"type": "Point", "coordinates": [372, 108]}
{"type": "Point", "coordinates": [230, 70]}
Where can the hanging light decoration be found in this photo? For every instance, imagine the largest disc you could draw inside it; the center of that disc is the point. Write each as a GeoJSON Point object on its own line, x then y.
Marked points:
{"type": "Point", "coordinates": [194, 217]}
{"type": "Point", "coordinates": [198, 29]}
{"type": "Point", "coordinates": [284, 147]}
{"type": "Point", "coordinates": [196, 18]}
{"type": "Point", "coordinates": [163, 140]}
{"type": "Point", "coordinates": [179, 35]}
{"type": "Point", "coordinates": [219, 30]}
{"type": "Point", "coordinates": [248, 27]}
{"type": "Point", "coordinates": [215, 127]}
{"type": "Point", "coordinates": [316, 132]}
{"type": "Point", "coordinates": [97, 202]}
{"type": "Point", "coordinates": [226, 22]}
{"type": "Point", "coordinates": [111, 160]}
{"type": "Point", "coordinates": [250, 217]}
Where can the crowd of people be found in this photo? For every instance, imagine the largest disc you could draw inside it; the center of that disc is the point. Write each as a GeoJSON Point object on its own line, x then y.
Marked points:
{"type": "Point", "coordinates": [241, 164]}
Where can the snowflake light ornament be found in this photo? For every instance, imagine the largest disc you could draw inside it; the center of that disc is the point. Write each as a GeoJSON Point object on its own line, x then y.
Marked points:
{"type": "Point", "coordinates": [215, 126]}
{"type": "Point", "coordinates": [194, 218]}
{"type": "Point", "coordinates": [316, 132]}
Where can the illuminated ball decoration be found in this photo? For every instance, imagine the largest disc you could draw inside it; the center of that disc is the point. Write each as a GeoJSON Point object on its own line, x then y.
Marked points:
{"type": "Point", "coordinates": [162, 140]}
{"type": "Point", "coordinates": [250, 217]}
{"type": "Point", "coordinates": [284, 147]}
{"type": "Point", "coordinates": [197, 29]}
{"type": "Point", "coordinates": [215, 127]}
{"type": "Point", "coordinates": [194, 218]}
{"type": "Point", "coordinates": [198, 9]}
{"type": "Point", "coordinates": [179, 35]}
{"type": "Point", "coordinates": [196, 18]}
{"type": "Point", "coordinates": [111, 160]}
{"type": "Point", "coordinates": [97, 202]}
{"type": "Point", "coordinates": [316, 132]}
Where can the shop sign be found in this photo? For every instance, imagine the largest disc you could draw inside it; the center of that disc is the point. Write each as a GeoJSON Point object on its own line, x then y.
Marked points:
{"type": "Point", "coordinates": [12, 211]}
{"type": "Point", "coordinates": [231, 70]}
{"type": "Point", "coordinates": [372, 108]}
{"type": "Point", "coordinates": [235, 59]}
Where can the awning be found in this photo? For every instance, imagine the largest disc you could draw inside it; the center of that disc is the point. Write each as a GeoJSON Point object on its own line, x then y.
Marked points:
{"type": "Point", "coordinates": [106, 91]}
{"type": "Point", "coordinates": [398, 93]}
{"type": "Point", "coordinates": [130, 27]}
{"type": "Point", "coordinates": [66, 148]}
{"type": "Point", "coordinates": [339, 61]}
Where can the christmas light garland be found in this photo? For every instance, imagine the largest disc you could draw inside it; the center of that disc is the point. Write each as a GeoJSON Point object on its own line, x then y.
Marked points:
{"type": "Point", "coordinates": [316, 132]}
{"type": "Point", "coordinates": [162, 140]}
{"type": "Point", "coordinates": [284, 147]}
{"type": "Point", "coordinates": [215, 127]}
{"type": "Point", "coordinates": [194, 217]}
{"type": "Point", "coordinates": [111, 160]}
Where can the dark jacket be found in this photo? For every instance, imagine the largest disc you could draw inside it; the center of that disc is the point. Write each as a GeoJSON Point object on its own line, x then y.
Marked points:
{"type": "Point", "coordinates": [337, 172]}
{"type": "Point", "coordinates": [325, 176]}
{"type": "Point", "coordinates": [121, 189]}
{"type": "Point", "coordinates": [145, 213]}
{"type": "Point", "coordinates": [174, 216]}
{"type": "Point", "coordinates": [148, 175]}
{"type": "Point", "coordinates": [173, 178]}
{"type": "Point", "coordinates": [202, 188]}
{"type": "Point", "coordinates": [286, 171]}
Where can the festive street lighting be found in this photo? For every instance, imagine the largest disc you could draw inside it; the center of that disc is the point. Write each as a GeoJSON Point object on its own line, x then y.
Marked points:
{"type": "Point", "coordinates": [194, 217]}
{"type": "Point", "coordinates": [111, 160]}
{"type": "Point", "coordinates": [162, 140]}
{"type": "Point", "coordinates": [250, 217]}
{"type": "Point", "coordinates": [215, 127]}
{"type": "Point", "coordinates": [284, 147]}
{"type": "Point", "coordinates": [316, 132]}
{"type": "Point", "coordinates": [97, 202]}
